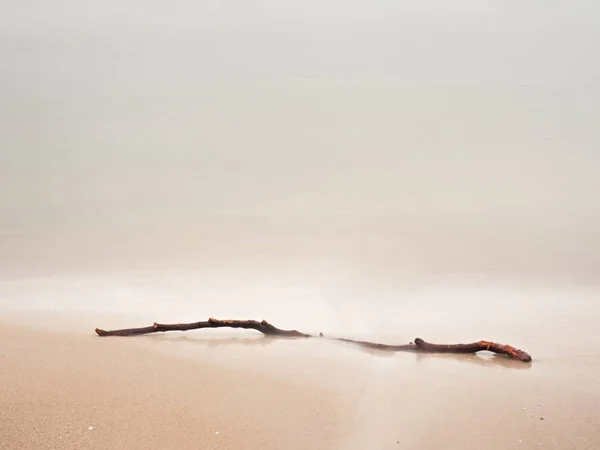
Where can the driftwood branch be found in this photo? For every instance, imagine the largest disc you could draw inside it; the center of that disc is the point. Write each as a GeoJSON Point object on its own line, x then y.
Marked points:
{"type": "Point", "coordinates": [267, 329]}
{"type": "Point", "coordinates": [264, 327]}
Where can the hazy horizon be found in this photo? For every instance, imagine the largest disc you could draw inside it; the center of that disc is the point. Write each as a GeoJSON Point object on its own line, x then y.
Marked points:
{"type": "Point", "coordinates": [463, 135]}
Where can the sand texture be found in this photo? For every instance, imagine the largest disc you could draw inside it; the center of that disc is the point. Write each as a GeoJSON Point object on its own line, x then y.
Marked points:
{"type": "Point", "coordinates": [63, 391]}
{"type": "Point", "coordinates": [186, 390]}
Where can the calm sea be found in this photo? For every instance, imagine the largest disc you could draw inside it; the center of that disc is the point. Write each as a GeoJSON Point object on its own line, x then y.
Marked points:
{"type": "Point", "coordinates": [375, 169]}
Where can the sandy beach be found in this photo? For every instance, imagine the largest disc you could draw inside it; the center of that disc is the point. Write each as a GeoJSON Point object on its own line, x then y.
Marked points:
{"type": "Point", "coordinates": [75, 390]}
{"type": "Point", "coordinates": [375, 171]}
{"type": "Point", "coordinates": [69, 391]}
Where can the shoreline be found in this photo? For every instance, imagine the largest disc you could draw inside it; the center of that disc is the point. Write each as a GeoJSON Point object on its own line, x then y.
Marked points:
{"type": "Point", "coordinates": [177, 390]}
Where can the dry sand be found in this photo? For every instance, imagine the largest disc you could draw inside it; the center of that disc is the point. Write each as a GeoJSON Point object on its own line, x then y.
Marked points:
{"type": "Point", "coordinates": [77, 391]}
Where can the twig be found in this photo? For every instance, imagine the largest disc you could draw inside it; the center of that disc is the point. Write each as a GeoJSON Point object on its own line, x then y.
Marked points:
{"type": "Point", "coordinates": [269, 330]}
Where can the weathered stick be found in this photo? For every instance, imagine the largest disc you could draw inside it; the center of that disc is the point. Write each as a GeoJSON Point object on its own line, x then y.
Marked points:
{"type": "Point", "coordinates": [264, 327]}
{"type": "Point", "coordinates": [269, 330]}
{"type": "Point", "coordinates": [421, 346]}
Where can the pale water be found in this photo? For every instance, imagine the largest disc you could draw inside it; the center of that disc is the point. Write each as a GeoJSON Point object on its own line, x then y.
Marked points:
{"type": "Point", "coordinates": [360, 169]}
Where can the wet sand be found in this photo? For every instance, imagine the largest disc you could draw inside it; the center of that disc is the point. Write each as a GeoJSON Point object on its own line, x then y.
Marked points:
{"type": "Point", "coordinates": [71, 391]}
{"type": "Point", "coordinates": [178, 390]}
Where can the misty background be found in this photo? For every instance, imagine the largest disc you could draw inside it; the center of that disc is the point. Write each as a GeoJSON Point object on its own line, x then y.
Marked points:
{"type": "Point", "coordinates": [318, 150]}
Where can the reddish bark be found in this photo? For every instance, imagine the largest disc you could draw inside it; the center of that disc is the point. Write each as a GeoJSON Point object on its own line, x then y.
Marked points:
{"type": "Point", "coordinates": [474, 347]}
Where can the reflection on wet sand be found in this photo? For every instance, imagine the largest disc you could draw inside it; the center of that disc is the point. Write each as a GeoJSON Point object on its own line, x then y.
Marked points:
{"type": "Point", "coordinates": [483, 360]}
